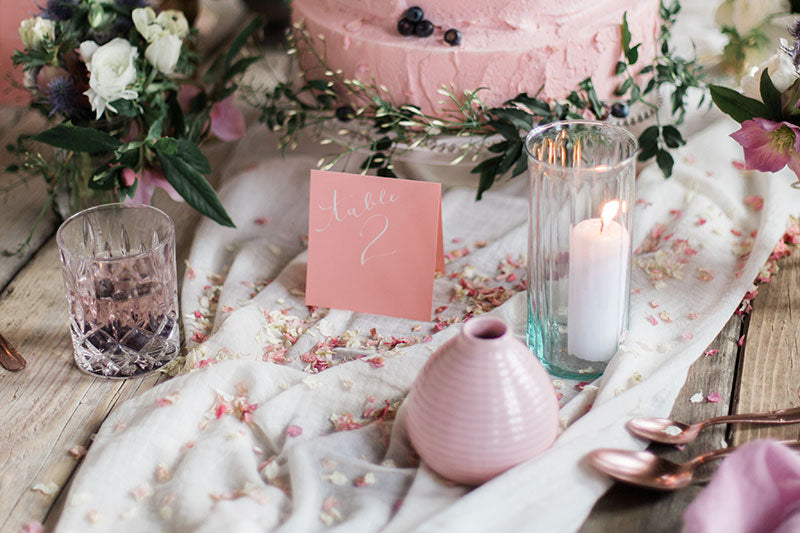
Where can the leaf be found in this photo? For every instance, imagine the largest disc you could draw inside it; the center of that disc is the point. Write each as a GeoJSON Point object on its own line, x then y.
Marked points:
{"type": "Point", "coordinates": [539, 107]}
{"type": "Point", "coordinates": [488, 172]}
{"type": "Point", "coordinates": [672, 137]}
{"type": "Point", "coordinates": [517, 117]}
{"type": "Point", "coordinates": [737, 106]}
{"type": "Point", "coordinates": [156, 129]}
{"type": "Point", "coordinates": [189, 152]}
{"type": "Point", "coordinates": [505, 129]}
{"type": "Point", "coordinates": [621, 66]}
{"type": "Point", "coordinates": [771, 96]}
{"type": "Point", "coordinates": [194, 188]}
{"type": "Point", "coordinates": [665, 162]}
{"type": "Point", "coordinates": [240, 66]}
{"type": "Point", "coordinates": [591, 94]}
{"type": "Point", "coordinates": [624, 87]}
{"type": "Point", "coordinates": [632, 55]}
{"type": "Point", "coordinates": [511, 156]}
{"type": "Point", "coordinates": [522, 165]}
{"type": "Point", "coordinates": [626, 35]}
{"type": "Point", "coordinates": [239, 41]}
{"type": "Point", "coordinates": [78, 139]}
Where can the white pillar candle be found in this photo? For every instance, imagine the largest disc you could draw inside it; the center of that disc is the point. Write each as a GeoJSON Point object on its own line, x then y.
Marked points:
{"type": "Point", "coordinates": [599, 265]}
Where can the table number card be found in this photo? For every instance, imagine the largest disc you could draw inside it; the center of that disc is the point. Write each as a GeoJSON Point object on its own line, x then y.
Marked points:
{"type": "Point", "coordinates": [373, 244]}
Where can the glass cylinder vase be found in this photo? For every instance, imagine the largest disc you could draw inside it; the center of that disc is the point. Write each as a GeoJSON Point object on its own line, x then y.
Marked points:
{"type": "Point", "coordinates": [582, 178]}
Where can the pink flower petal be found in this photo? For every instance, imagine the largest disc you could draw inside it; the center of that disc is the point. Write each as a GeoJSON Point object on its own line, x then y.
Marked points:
{"type": "Point", "coordinates": [294, 431]}
{"type": "Point", "coordinates": [227, 122]}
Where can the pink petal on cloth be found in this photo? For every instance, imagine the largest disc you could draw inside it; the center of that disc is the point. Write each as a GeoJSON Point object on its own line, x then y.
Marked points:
{"type": "Point", "coordinates": [756, 489]}
{"type": "Point", "coordinates": [227, 122]}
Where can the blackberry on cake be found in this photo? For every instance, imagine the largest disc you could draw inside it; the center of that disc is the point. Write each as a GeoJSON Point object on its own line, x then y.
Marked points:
{"type": "Point", "coordinates": [452, 37]}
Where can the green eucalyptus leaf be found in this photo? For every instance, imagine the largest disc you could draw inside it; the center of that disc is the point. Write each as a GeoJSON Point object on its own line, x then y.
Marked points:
{"type": "Point", "coordinates": [517, 117]}
{"type": "Point", "coordinates": [736, 105]}
{"type": "Point", "coordinates": [626, 34]}
{"type": "Point", "coordinates": [624, 87]}
{"type": "Point", "coordinates": [78, 139]}
{"type": "Point", "coordinates": [672, 137]}
{"type": "Point", "coordinates": [189, 152]}
{"type": "Point", "coordinates": [665, 162]}
{"type": "Point", "coordinates": [632, 55]}
{"type": "Point", "coordinates": [193, 187]}
{"type": "Point", "coordinates": [241, 66]}
{"type": "Point", "coordinates": [241, 38]}
{"type": "Point", "coordinates": [505, 129]}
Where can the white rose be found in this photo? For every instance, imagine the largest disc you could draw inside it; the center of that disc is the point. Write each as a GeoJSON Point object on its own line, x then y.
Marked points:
{"type": "Point", "coordinates": [151, 27]}
{"type": "Point", "coordinates": [163, 52]}
{"type": "Point", "coordinates": [781, 71]}
{"type": "Point", "coordinates": [174, 22]}
{"type": "Point", "coordinates": [111, 72]}
{"type": "Point", "coordinates": [144, 19]}
{"type": "Point", "coordinates": [35, 31]}
{"type": "Point", "coordinates": [747, 15]}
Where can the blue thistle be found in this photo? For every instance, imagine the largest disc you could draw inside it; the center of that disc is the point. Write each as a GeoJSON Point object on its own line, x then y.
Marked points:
{"type": "Point", "coordinates": [59, 9]}
{"type": "Point", "coordinates": [61, 96]}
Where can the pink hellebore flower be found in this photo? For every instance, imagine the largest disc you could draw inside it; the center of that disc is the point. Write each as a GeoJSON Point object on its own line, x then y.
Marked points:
{"type": "Point", "coordinates": [227, 122]}
{"type": "Point", "coordinates": [149, 179]}
{"type": "Point", "coordinates": [769, 146]}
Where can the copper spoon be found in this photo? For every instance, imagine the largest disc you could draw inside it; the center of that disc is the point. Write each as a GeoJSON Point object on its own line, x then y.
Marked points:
{"type": "Point", "coordinates": [9, 357]}
{"type": "Point", "coordinates": [668, 431]}
{"type": "Point", "coordinates": [645, 469]}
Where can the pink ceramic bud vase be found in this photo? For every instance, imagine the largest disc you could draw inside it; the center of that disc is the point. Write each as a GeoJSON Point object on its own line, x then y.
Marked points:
{"type": "Point", "coordinates": [481, 404]}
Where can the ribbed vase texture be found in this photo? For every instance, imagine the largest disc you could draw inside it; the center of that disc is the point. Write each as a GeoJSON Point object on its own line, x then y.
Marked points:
{"type": "Point", "coordinates": [481, 404]}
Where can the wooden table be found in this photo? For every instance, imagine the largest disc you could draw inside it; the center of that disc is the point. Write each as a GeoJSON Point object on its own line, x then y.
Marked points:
{"type": "Point", "coordinates": [50, 406]}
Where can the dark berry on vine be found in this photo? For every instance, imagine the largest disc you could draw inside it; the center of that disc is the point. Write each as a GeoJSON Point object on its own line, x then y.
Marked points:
{"type": "Point", "coordinates": [620, 110]}
{"type": "Point", "coordinates": [452, 37]}
{"type": "Point", "coordinates": [405, 27]}
{"type": "Point", "coordinates": [414, 14]}
{"type": "Point", "coordinates": [424, 28]}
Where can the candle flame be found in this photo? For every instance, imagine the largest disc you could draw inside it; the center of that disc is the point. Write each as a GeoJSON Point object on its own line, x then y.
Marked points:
{"type": "Point", "coordinates": [609, 212]}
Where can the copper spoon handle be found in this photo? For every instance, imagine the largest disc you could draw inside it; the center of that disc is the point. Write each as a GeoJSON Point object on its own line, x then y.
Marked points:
{"type": "Point", "coordinates": [783, 416]}
{"type": "Point", "coordinates": [9, 357]}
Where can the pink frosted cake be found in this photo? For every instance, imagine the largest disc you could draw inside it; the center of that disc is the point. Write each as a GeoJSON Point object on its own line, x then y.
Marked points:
{"type": "Point", "coordinates": [508, 47]}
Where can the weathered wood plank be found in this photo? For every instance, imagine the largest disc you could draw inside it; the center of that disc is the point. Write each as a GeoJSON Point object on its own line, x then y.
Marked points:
{"type": "Point", "coordinates": [624, 508]}
{"type": "Point", "coordinates": [52, 406]}
{"type": "Point", "coordinates": [769, 367]}
{"type": "Point", "coordinates": [21, 205]}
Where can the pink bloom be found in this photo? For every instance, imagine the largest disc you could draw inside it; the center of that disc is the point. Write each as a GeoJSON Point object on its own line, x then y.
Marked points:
{"type": "Point", "coordinates": [227, 122]}
{"type": "Point", "coordinates": [149, 179]}
{"type": "Point", "coordinates": [769, 146]}
{"type": "Point", "coordinates": [294, 431]}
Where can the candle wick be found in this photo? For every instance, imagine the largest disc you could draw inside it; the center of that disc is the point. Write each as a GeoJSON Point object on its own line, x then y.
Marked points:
{"type": "Point", "coordinates": [602, 224]}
